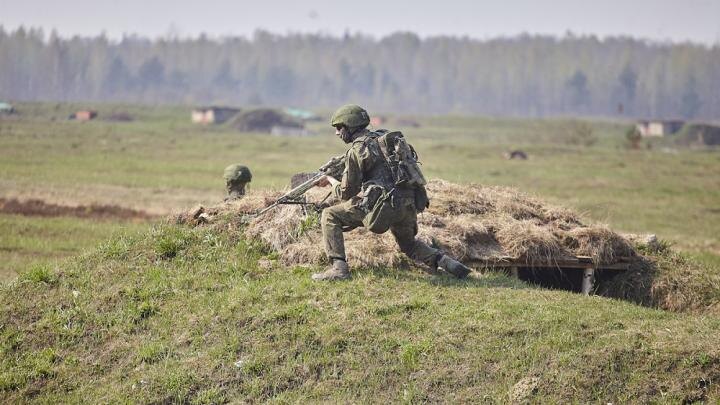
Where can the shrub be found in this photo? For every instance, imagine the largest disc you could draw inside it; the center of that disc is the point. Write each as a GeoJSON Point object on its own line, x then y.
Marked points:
{"type": "Point", "coordinates": [212, 395]}
{"type": "Point", "coordinates": [40, 273]}
{"type": "Point", "coordinates": [633, 138]}
{"type": "Point", "coordinates": [152, 352]}
{"type": "Point", "coordinates": [115, 248]}
{"type": "Point", "coordinates": [170, 240]}
{"type": "Point", "coordinates": [580, 133]}
{"type": "Point", "coordinates": [145, 310]}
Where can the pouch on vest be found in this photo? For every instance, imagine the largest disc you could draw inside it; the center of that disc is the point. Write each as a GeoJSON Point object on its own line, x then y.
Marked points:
{"type": "Point", "coordinates": [421, 199]}
{"type": "Point", "coordinates": [381, 213]}
{"type": "Point", "coordinates": [401, 158]}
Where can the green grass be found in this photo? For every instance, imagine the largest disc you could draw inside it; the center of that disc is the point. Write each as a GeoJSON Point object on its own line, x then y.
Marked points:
{"type": "Point", "coordinates": [163, 313]}
{"type": "Point", "coordinates": [128, 323]}
{"type": "Point", "coordinates": [28, 240]}
{"type": "Point", "coordinates": [164, 161]}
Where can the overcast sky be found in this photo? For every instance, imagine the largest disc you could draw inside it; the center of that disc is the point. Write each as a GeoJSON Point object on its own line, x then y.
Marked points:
{"type": "Point", "coordinates": [675, 20]}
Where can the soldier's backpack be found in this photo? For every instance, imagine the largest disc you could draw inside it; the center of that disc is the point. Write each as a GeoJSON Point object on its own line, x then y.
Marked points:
{"type": "Point", "coordinates": [402, 159]}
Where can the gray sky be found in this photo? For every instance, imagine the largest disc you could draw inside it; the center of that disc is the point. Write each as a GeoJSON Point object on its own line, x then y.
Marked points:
{"type": "Point", "coordinates": [675, 20]}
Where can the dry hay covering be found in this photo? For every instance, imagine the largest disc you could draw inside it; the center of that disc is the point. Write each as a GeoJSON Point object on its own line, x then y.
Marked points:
{"type": "Point", "coordinates": [477, 223]}
{"type": "Point", "coordinates": [472, 222]}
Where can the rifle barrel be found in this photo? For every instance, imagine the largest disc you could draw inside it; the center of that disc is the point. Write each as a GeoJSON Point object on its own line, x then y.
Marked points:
{"type": "Point", "coordinates": [331, 168]}
{"type": "Point", "coordinates": [294, 193]}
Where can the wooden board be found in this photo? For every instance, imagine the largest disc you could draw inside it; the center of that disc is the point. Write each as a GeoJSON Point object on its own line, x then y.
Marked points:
{"type": "Point", "coordinates": [578, 262]}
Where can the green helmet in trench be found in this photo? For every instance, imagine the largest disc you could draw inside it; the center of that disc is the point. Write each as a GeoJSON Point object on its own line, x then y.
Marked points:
{"type": "Point", "coordinates": [236, 177]}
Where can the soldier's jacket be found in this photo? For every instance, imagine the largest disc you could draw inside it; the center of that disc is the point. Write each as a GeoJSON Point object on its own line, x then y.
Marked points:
{"type": "Point", "coordinates": [364, 164]}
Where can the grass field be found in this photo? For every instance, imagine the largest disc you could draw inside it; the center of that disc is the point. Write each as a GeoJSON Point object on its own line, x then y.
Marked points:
{"type": "Point", "coordinates": [124, 312]}
{"type": "Point", "coordinates": [161, 163]}
{"type": "Point", "coordinates": [27, 240]}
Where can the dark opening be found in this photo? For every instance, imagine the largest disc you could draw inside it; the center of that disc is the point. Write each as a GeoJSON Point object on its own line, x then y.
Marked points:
{"type": "Point", "coordinates": [569, 279]}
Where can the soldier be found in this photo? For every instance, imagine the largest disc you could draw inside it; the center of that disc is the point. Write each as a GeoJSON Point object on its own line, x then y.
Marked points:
{"type": "Point", "coordinates": [236, 177]}
{"type": "Point", "coordinates": [365, 165]}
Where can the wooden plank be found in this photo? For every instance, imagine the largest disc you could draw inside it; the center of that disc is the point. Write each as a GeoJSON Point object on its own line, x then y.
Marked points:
{"type": "Point", "coordinates": [570, 263]}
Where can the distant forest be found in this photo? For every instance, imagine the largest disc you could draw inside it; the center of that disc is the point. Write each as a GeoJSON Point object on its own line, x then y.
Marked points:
{"type": "Point", "coordinates": [520, 76]}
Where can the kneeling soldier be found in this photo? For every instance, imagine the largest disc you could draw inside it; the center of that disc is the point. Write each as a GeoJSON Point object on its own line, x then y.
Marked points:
{"type": "Point", "coordinates": [366, 168]}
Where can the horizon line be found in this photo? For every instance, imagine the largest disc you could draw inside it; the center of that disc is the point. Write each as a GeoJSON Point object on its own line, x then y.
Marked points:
{"type": "Point", "coordinates": [170, 36]}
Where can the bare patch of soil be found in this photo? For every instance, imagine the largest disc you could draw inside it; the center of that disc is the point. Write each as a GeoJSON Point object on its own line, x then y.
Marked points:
{"type": "Point", "coordinates": [152, 200]}
{"type": "Point", "coordinates": [40, 208]}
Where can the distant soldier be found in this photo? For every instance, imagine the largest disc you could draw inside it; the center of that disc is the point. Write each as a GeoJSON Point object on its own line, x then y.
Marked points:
{"type": "Point", "coordinates": [367, 179]}
{"type": "Point", "coordinates": [236, 177]}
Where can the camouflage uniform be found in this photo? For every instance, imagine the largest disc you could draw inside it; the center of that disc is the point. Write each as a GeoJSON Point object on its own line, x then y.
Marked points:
{"type": "Point", "coordinates": [365, 170]}
{"type": "Point", "coordinates": [365, 164]}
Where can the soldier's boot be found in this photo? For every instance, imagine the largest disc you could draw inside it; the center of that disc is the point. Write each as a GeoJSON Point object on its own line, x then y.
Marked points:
{"type": "Point", "coordinates": [338, 271]}
{"type": "Point", "coordinates": [453, 266]}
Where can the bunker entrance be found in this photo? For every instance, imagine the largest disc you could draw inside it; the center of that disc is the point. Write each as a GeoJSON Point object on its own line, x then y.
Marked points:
{"type": "Point", "coordinates": [578, 274]}
{"type": "Point", "coordinates": [569, 279]}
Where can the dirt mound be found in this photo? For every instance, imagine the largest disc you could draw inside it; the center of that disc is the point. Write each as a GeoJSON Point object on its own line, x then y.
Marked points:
{"type": "Point", "coordinates": [43, 209]}
{"type": "Point", "coordinates": [473, 222]}
{"type": "Point", "coordinates": [263, 120]}
{"type": "Point", "coordinates": [476, 224]}
{"type": "Point", "coordinates": [699, 135]}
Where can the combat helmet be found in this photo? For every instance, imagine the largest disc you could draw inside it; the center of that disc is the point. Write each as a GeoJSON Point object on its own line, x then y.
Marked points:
{"type": "Point", "coordinates": [237, 174]}
{"type": "Point", "coordinates": [351, 116]}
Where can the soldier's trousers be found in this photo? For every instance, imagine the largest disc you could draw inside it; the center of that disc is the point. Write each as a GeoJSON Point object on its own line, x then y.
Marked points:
{"type": "Point", "coordinates": [348, 215]}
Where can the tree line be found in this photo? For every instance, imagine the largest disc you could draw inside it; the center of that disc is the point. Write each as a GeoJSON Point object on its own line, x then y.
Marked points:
{"type": "Point", "coordinates": [525, 75]}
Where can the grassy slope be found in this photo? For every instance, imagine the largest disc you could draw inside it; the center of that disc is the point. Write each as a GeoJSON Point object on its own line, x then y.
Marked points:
{"type": "Point", "coordinates": [161, 162]}
{"type": "Point", "coordinates": [129, 323]}
{"type": "Point", "coordinates": [187, 315]}
{"type": "Point", "coordinates": [25, 240]}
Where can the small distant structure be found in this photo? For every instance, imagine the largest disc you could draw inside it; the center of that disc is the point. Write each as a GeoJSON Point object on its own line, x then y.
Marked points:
{"type": "Point", "coordinates": [268, 120]}
{"type": "Point", "coordinates": [699, 135]}
{"type": "Point", "coordinates": [84, 115]}
{"type": "Point", "coordinates": [658, 127]}
{"type": "Point", "coordinates": [6, 108]}
{"type": "Point", "coordinates": [378, 120]}
{"type": "Point", "coordinates": [515, 155]}
{"type": "Point", "coordinates": [283, 130]}
{"type": "Point", "coordinates": [213, 114]}
{"type": "Point", "coordinates": [304, 115]}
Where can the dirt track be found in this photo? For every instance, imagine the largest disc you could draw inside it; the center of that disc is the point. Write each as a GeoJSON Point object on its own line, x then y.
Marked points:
{"type": "Point", "coordinates": [40, 208]}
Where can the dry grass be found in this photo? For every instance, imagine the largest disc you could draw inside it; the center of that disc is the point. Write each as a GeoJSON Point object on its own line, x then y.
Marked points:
{"type": "Point", "coordinates": [472, 222]}
{"type": "Point", "coordinates": [668, 280]}
{"type": "Point", "coordinates": [476, 224]}
{"type": "Point", "coordinates": [527, 239]}
{"type": "Point", "coordinates": [600, 243]}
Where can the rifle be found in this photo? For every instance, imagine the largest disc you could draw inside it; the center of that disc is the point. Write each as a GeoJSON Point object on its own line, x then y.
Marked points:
{"type": "Point", "coordinates": [333, 168]}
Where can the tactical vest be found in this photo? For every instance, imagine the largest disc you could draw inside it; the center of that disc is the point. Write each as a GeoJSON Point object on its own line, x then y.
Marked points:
{"type": "Point", "coordinates": [377, 172]}
{"type": "Point", "coordinates": [393, 173]}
